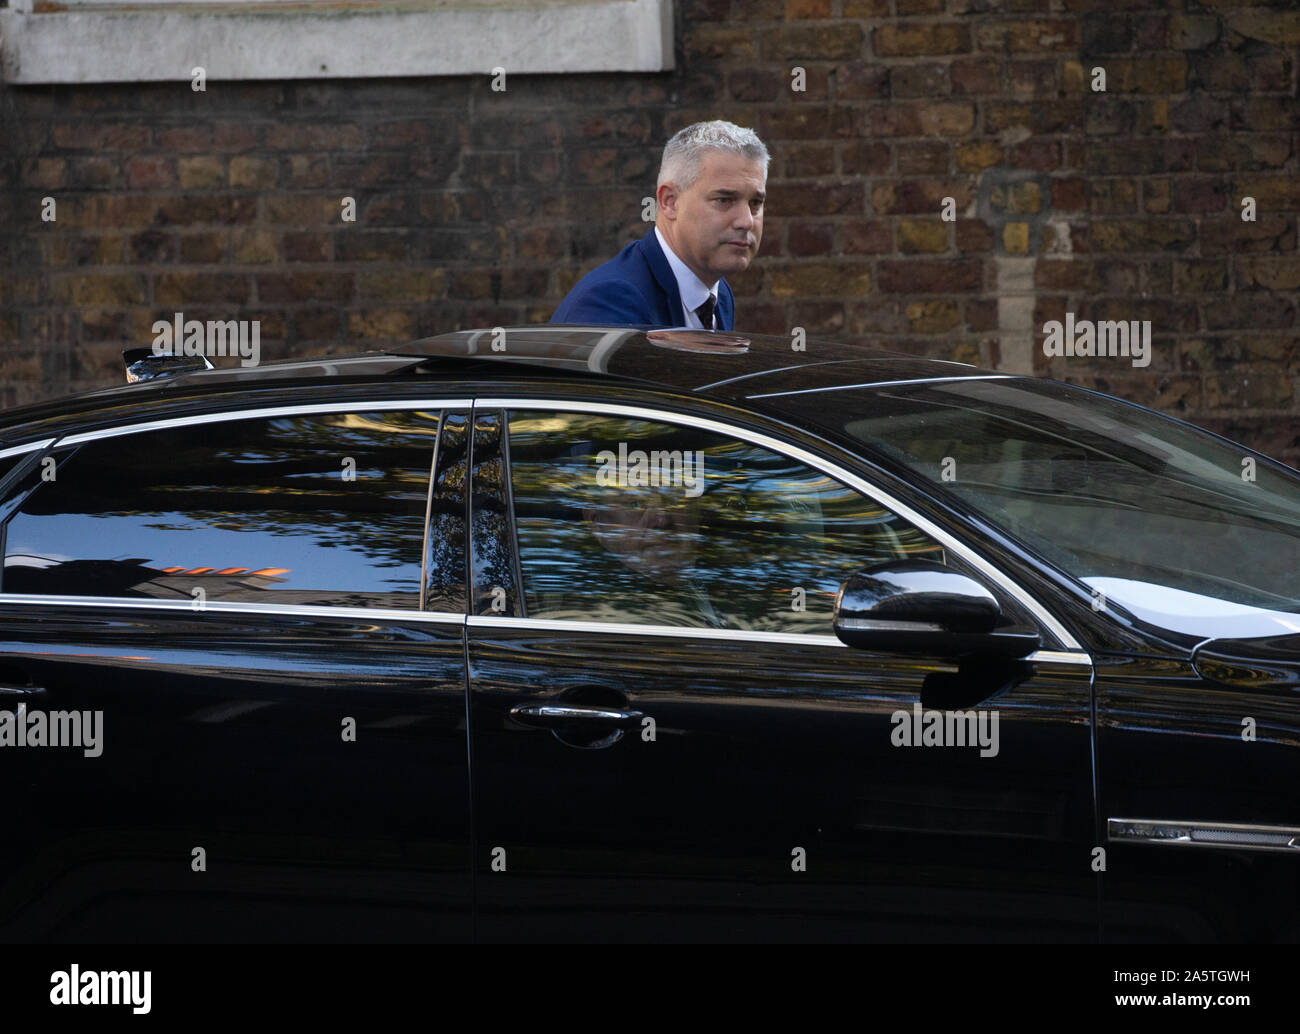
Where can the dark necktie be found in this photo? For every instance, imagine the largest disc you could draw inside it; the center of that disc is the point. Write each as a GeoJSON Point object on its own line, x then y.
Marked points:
{"type": "Point", "coordinates": [705, 312]}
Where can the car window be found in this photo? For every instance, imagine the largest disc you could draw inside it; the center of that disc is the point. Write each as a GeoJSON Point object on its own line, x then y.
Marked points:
{"type": "Point", "coordinates": [323, 509]}
{"type": "Point", "coordinates": [1184, 530]}
{"type": "Point", "coordinates": [622, 520]}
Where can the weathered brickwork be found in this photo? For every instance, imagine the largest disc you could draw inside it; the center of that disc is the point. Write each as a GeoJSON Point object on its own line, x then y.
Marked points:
{"type": "Point", "coordinates": [476, 207]}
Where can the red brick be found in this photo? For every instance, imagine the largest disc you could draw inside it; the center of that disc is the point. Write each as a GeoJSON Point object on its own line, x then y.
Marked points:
{"type": "Point", "coordinates": [975, 75]}
{"type": "Point", "coordinates": [207, 246]}
{"type": "Point", "coordinates": [1199, 194]}
{"type": "Point", "coordinates": [184, 288]}
{"type": "Point", "coordinates": [796, 43]}
{"type": "Point", "coordinates": [816, 200]}
{"type": "Point", "coordinates": [915, 40]}
{"type": "Point", "coordinates": [804, 238]}
{"type": "Point", "coordinates": [931, 275]}
{"type": "Point", "coordinates": [981, 315]}
{"type": "Point", "coordinates": [307, 247]}
{"type": "Point", "coordinates": [973, 236]}
{"type": "Point", "coordinates": [867, 238]}
{"type": "Point", "coordinates": [858, 81]}
{"type": "Point", "coordinates": [95, 136]}
{"type": "Point", "coordinates": [1027, 36]}
{"type": "Point", "coordinates": [280, 288]}
{"type": "Point", "coordinates": [288, 136]}
{"type": "Point", "coordinates": [924, 156]}
{"type": "Point", "coordinates": [920, 196]}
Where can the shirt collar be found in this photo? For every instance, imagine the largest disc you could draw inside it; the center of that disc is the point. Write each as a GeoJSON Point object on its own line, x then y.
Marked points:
{"type": "Point", "coordinates": [692, 289]}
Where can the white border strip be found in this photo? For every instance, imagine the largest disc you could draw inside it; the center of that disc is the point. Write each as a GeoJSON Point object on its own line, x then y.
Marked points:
{"type": "Point", "coordinates": [99, 42]}
{"type": "Point", "coordinates": [825, 466]}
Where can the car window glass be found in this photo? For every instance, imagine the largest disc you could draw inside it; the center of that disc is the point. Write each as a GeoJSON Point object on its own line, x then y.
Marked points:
{"type": "Point", "coordinates": [633, 521]}
{"type": "Point", "coordinates": [308, 509]}
{"type": "Point", "coordinates": [1183, 529]}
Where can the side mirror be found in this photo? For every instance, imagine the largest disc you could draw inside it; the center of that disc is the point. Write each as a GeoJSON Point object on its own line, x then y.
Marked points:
{"type": "Point", "coordinates": [919, 607]}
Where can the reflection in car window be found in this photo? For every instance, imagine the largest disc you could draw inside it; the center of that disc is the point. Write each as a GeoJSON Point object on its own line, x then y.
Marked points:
{"type": "Point", "coordinates": [320, 509]}
{"type": "Point", "coordinates": [1182, 528]}
{"type": "Point", "coordinates": [633, 521]}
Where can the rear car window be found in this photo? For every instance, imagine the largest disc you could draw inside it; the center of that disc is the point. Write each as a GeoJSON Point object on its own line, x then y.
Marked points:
{"type": "Point", "coordinates": [322, 509]}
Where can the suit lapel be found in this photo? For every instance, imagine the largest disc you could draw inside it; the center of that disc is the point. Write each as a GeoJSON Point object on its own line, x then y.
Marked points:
{"type": "Point", "coordinates": [726, 306]}
{"type": "Point", "coordinates": [663, 274]}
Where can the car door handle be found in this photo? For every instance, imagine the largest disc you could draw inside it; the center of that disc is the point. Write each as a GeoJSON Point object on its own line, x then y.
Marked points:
{"type": "Point", "coordinates": [547, 715]}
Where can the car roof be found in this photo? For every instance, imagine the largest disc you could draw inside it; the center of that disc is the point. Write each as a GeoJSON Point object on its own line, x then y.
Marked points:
{"type": "Point", "coordinates": [725, 366]}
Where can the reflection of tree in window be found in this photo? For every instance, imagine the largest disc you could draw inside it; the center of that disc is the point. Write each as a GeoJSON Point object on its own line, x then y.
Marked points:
{"type": "Point", "coordinates": [763, 526]}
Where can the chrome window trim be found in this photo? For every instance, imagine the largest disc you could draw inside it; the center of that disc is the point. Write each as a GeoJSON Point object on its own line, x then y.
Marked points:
{"type": "Point", "coordinates": [627, 628]}
{"type": "Point", "coordinates": [886, 384]}
{"type": "Point", "coordinates": [300, 409]}
{"type": "Point", "coordinates": [825, 466]}
{"type": "Point", "coordinates": [1079, 657]}
{"type": "Point", "coordinates": [229, 607]}
{"type": "Point", "coordinates": [737, 634]}
{"type": "Point", "coordinates": [1230, 835]}
{"type": "Point", "coordinates": [18, 450]}
{"type": "Point", "coordinates": [288, 409]}
{"type": "Point", "coordinates": [477, 621]}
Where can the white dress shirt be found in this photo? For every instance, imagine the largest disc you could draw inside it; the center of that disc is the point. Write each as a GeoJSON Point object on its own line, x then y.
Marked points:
{"type": "Point", "coordinates": [691, 288]}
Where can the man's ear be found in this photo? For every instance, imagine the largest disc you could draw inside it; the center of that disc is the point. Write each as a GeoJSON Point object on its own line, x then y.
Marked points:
{"type": "Point", "coordinates": [666, 199]}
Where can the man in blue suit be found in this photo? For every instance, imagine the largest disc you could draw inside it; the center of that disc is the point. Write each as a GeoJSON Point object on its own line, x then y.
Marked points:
{"type": "Point", "coordinates": [709, 221]}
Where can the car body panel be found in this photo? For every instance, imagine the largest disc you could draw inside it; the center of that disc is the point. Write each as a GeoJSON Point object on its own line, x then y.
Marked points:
{"type": "Point", "coordinates": [763, 746]}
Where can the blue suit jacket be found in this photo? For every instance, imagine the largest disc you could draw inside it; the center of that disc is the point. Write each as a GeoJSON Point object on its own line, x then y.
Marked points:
{"type": "Point", "coordinates": [636, 288]}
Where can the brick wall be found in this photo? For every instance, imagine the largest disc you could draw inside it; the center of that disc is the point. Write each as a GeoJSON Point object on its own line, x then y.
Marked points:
{"type": "Point", "coordinates": [483, 208]}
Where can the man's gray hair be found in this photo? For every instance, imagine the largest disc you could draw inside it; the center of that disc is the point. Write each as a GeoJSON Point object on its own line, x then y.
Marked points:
{"type": "Point", "coordinates": [684, 154]}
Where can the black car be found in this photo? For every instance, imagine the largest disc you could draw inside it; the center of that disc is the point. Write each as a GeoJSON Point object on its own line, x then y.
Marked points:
{"type": "Point", "coordinates": [593, 633]}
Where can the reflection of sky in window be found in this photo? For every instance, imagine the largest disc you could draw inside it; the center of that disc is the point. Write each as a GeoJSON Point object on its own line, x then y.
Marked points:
{"type": "Point", "coordinates": [248, 494]}
{"type": "Point", "coordinates": [176, 540]}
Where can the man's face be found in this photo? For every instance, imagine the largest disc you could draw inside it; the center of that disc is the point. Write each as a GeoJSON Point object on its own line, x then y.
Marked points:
{"type": "Point", "coordinates": [653, 534]}
{"type": "Point", "coordinates": [715, 226]}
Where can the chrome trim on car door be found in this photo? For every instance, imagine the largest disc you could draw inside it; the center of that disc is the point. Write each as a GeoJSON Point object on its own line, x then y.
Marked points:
{"type": "Point", "coordinates": [1235, 835]}
{"type": "Point", "coordinates": [885, 384]}
{"type": "Point", "coordinates": [230, 607]}
{"type": "Point", "coordinates": [825, 466]}
{"type": "Point", "coordinates": [1079, 658]}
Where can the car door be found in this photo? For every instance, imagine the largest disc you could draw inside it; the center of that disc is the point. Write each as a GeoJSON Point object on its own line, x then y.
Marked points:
{"type": "Point", "coordinates": [265, 634]}
{"type": "Point", "coordinates": [1198, 795]}
{"type": "Point", "coordinates": [670, 743]}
